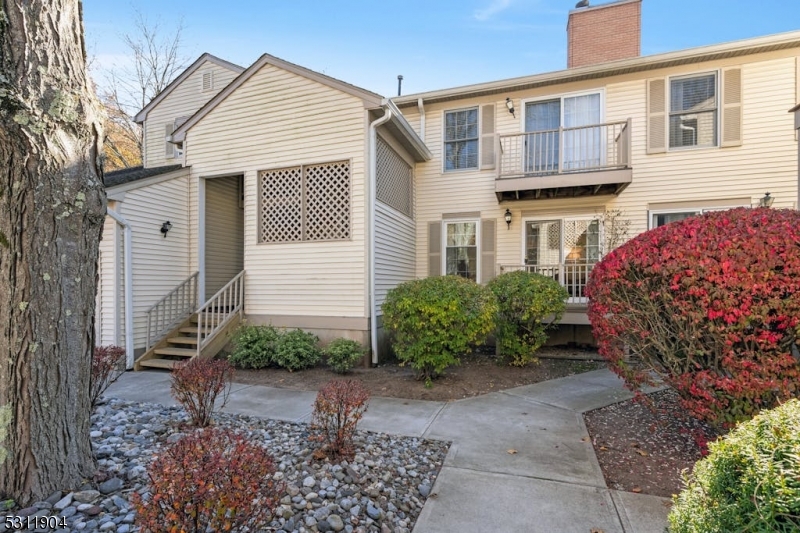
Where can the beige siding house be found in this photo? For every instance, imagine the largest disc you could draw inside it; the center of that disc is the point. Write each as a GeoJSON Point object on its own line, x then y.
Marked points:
{"type": "Point", "coordinates": [299, 200]}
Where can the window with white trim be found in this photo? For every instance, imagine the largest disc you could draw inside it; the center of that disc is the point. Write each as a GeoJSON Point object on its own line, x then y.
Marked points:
{"type": "Point", "coordinates": [461, 249]}
{"type": "Point", "coordinates": [693, 111]}
{"type": "Point", "coordinates": [461, 139]}
{"type": "Point", "coordinates": [665, 216]}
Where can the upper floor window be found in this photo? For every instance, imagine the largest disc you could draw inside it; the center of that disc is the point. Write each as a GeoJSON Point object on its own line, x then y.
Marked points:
{"type": "Point", "coordinates": [693, 111]}
{"type": "Point", "coordinates": [461, 139]}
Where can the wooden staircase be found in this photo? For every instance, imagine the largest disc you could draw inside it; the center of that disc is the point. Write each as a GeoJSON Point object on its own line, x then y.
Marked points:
{"type": "Point", "coordinates": [203, 334]}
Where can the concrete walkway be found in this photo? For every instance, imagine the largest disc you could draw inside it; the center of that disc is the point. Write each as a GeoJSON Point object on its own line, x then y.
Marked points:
{"type": "Point", "coordinates": [520, 460]}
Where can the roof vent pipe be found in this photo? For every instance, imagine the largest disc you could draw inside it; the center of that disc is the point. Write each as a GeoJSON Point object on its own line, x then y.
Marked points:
{"type": "Point", "coordinates": [399, 84]}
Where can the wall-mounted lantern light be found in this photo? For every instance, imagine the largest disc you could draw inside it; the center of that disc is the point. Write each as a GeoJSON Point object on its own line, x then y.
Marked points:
{"type": "Point", "coordinates": [510, 106]}
{"type": "Point", "coordinates": [165, 227]}
{"type": "Point", "coordinates": [508, 218]}
{"type": "Point", "coordinates": [766, 201]}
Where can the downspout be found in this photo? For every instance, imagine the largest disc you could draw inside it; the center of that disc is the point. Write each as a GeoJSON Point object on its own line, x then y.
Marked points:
{"type": "Point", "coordinates": [373, 183]}
{"type": "Point", "coordinates": [127, 258]}
{"type": "Point", "coordinates": [421, 109]}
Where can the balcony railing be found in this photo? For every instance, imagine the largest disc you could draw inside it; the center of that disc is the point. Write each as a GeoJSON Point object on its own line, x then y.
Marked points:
{"type": "Point", "coordinates": [566, 150]}
{"type": "Point", "coordinates": [571, 276]}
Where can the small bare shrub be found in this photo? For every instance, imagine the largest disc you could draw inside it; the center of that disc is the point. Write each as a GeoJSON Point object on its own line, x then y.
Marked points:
{"type": "Point", "coordinates": [108, 364]}
{"type": "Point", "coordinates": [197, 383]}
{"type": "Point", "coordinates": [339, 406]}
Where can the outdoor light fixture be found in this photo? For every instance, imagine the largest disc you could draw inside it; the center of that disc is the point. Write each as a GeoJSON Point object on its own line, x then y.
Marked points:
{"type": "Point", "coordinates": [165, 227]}
{"type": "Point", "coordinates": [508, 218]}
{"type": "Point", "coordinates": [510, 106]}
{"type": "Point", "coordinates": [766, 201]}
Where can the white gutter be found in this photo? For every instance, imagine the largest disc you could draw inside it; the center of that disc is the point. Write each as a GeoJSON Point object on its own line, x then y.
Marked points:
{"type": "Point", "coordinates": [373, 183]}
{"type": "Point", "coordinates": [127, 254]}
{"type": "Point", "coordinates": [421, 109]}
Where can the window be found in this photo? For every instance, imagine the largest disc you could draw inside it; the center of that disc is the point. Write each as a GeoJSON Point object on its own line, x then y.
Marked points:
{"type": "Point", "coordinates": [461, 249]}
{"type": "Point", "coordinates": [659, 219]}
{"type": "Point", "coordinates": [461, 139]}
{"type": "Point", "coordinates": [305, 203]}
{"type": "Point", "coordinates": [580, 146]}
{"type": "Point", "coordinates": [693, 111]}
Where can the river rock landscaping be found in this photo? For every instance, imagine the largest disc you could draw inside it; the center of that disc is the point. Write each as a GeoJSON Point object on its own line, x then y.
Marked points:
{"type": "Point", "coordinates": [381, 490]}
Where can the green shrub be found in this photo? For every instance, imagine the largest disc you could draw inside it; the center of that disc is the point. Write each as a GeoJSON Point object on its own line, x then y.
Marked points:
{"type": "Point", "coordinates": [750, 480]}
{"type": "Point", "coordinates": [343, 354]}
{"type": "Point", "coordinates": [524, 301]}
{"type": "Point", "coordinates": [296, 350]}
{"type": "Point", "coordinates": [254, 346]}
{"type": "Point", "coordinates": [435, 320]}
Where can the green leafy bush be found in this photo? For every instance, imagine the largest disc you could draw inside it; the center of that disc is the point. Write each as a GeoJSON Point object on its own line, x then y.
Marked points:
{"type": "Point", "coordinates": [343, 354]}
{"type": "Point", "coordinates": [524, 301]}
{"type": "Point", "coordinates": [750, 480]}
{"type": "Point", "coordinates": [296, 350]}
{"type": "Point", "coordinates": [254, 346]}
{"type": "Point", "coordinates": [435, 320]}
{"type": "Point", "coordinates": [711, 304]}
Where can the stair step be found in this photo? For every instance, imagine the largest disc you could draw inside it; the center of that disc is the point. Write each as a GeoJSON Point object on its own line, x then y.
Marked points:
{"type": "Point", "coordinates": [159, 363]}
{"type": "Point", "coordinates": [181, 352]}
{"type": "Point", "coordinates": [191, 330]}
{"type": "Point", "coordinates": [182, 340]}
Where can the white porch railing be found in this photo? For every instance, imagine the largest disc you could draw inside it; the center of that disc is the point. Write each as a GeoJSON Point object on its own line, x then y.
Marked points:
{"type": "Point", "coordinates": [219, 310]}
{"type": "Point", "coordinates": [565, 150]}
{"type": "Point", "coordinates": [170, 310]}
{"type": "Point", "coordinates": [571, 276]}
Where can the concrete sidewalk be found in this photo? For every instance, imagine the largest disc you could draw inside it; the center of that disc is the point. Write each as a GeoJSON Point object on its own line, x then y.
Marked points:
{"type": "Point", "coordinates": [520, 460]}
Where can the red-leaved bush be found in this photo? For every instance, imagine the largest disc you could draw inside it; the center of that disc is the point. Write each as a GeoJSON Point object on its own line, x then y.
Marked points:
{"type": "Point", "coordinates": [197, 383]}
{"type": "Point", "coordinates": [711, 304]}
{"type": "Point", "coordinates": [107, 366]}
{"type": "Point", "coordinates": [210, 480]}
{"type": "Point", "coordinates": [339, 406]}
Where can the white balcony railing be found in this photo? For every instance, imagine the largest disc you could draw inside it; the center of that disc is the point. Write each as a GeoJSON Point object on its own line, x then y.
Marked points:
{"type": "Point", "coordinates": [565, 150]}
{"type": "Point", "coordinates": [571, 276]}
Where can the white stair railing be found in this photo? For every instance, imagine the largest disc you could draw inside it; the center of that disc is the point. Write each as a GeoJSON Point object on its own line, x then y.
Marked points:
{"type": "Point", "coordinates": [170, 310]}
{"type": "Point", "coordinates": [219, 310]}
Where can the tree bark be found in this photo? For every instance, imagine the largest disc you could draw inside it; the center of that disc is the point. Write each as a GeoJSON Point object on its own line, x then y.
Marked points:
{"type": "Point", "coordinates": [52, 206]}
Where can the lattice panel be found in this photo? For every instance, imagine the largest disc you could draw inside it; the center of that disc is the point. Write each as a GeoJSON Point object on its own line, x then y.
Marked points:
{"type": "Point", "coordinates": [327, 189]}
{"type": "Point", "coordinates": [281, 205]}
{"type": "Point", "coordinates": [394, 179]}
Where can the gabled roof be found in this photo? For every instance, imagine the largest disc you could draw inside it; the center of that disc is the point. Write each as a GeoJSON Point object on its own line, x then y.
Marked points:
{"type": "Point", "coordinates": [780, 41]}
{"type": "Point", "coordinates": [370, 99]}
{"type": "Point", "coordinates": [141, 116]}
{"type": "Point", "coordinates": [128, 175]}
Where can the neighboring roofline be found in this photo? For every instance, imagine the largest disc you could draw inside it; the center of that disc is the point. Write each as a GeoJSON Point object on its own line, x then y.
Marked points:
{"type": "Point", "coordinates": [370, 99]}
{"type": "Point", "coordinates": [420, 151]}
{"type": "Point", "coordinates": [756, 45]}
{"type": "Point", "coordinates": [795, 108]}
{"type": "Point", "coordinates": [141, 116]}
{"type": "Point", "coordinates": [150, 180]}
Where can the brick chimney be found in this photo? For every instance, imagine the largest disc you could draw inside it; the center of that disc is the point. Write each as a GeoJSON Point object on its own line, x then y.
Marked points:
{"type": "Point", "coordinates": [603, 33]}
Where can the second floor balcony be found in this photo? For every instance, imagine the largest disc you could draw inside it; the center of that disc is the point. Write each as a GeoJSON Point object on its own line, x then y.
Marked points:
{"type": "Point", "coordinates": [565, 162]}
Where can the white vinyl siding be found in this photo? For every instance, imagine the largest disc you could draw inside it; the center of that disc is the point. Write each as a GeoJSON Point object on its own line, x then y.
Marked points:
{"type": "Point", "coordinates": [183, 101]}
{"type": "Point", "coordinates": [159, 263]}
{"type": "Point", "coordinates": [765, 161]}
{"type": "Point", "coordinates": [395, 237]}
{"type": "Point", "coordinates": [224, 233]}
{"type": "Point", "coordinates": [298, 278]}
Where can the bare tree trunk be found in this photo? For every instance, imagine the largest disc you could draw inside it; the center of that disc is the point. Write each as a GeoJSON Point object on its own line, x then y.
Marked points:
{"type": "Point", "coordinates": [52, 206]}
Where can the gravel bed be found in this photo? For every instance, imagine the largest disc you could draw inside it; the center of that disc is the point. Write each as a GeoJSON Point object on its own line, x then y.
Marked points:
{"type": "Point", "coordinates": [381, 490]}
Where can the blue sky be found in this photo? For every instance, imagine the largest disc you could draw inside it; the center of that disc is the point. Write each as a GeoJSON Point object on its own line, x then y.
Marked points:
{"type": "Point", "coordinates": [434, 44]}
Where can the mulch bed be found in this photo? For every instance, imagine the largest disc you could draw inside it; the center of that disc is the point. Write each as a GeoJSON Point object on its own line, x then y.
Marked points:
{"type": "Point", "coordinates": [644, 446]}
